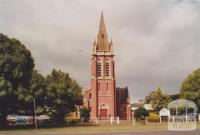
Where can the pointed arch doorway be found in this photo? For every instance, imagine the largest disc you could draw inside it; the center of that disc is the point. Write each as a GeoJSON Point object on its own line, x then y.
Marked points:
{"type": "Point", "coordinates": [103, 111]}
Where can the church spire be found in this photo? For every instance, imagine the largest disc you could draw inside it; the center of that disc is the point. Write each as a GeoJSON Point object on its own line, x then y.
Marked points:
{"type": "Point", "coordinates": [102, 26]}
{"type": "Point", "coordinates": [102, 40]}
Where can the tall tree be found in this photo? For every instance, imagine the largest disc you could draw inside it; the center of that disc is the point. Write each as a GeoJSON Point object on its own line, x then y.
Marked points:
{"type": "Point", "coordinates": [190, 87]}
{"type": "Point", "coordinates": [16, 65]}
{"type": "Point", "coordinates": [37, 91]}
{"type": "Point", "coordinates": [157, 99]}
{"type": "Point", "coordinates": [63, 93]}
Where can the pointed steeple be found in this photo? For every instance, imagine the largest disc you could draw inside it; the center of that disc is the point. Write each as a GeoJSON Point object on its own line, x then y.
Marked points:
{"type": "Point", "coordinates": [102, 26]}
{"type": "Point", "coordinates": [102, 40]}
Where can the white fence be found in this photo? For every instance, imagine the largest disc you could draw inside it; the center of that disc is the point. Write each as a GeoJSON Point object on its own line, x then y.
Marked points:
{"type": "Point", "coordinates": [117, 120]}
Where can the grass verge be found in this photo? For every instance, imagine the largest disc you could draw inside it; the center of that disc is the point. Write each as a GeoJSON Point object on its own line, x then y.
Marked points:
{"type": "Point", "coordinates": [122, 127]}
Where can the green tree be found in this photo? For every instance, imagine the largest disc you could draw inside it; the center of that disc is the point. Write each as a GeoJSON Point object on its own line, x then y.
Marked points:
{"type": "Point", "coordinates": [141, 113]}
{"type": "Point", "coordinates": [190, 87]}
{"type": "Point", "coordinates": [37, 91]}
{"type": "Point", "coordinates": [16, 65]}
{"type": "Point", "coordinates": [85, 114]}
{"type": "Point", "coordinates": [157, 99]}
{"type": "Point", "coordinates": [174, 97]}
{"type": "Point", "coordinates": [63, 93]}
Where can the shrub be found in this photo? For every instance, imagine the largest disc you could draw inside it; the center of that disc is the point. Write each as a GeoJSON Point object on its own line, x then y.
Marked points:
{"type": "Point", "coordinates": [141, 113]}
{"type": "Point", "coordinates": [85, 114]}
{"type": "Point", "coordinates": [71, 119]}
{"type": "Point", "coordinates": [153, 117]}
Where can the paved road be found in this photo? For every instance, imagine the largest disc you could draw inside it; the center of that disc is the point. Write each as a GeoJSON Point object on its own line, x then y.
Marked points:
{"type": "Point", "coordinates": [197, 132]}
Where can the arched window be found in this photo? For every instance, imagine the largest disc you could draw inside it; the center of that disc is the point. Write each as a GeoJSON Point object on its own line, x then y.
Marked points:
{"type": "Point", "coordinates": [99, 86]}
{"type": "Point", "coordinates": [90, 95]}
{"type": "Point", "coordinates": [124, 108]}
{"type": "Point", "coordinates": [98, 69]}
{"type": "Point", "coordinates": [107, 65]}
{"type": "Point", "coordinates": [107, 86]}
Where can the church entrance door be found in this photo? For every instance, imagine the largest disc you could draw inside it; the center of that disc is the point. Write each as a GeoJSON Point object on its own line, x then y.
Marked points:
{"type": "Point", "coordinates": [104, 111]}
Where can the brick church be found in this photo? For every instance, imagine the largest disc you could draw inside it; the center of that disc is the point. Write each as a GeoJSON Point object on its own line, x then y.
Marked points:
{"type": "Point", "coordinates": [103, 98]}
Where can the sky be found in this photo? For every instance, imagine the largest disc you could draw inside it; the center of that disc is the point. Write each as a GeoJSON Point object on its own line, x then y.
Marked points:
{"type": "Point", "coordinates": [156, 42]}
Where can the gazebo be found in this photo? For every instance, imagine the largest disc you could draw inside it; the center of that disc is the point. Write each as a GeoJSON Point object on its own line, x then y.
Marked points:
{"type": "Point", "coordinates": [184, 118]}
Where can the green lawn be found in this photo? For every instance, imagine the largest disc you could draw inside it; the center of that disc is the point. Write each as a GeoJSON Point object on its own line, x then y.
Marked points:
{"type": "Point", "coordinates": [94, 128]}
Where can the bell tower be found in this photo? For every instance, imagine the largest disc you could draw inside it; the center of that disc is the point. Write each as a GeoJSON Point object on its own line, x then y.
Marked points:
{"type": "Point", "coordinates": [103, 87]}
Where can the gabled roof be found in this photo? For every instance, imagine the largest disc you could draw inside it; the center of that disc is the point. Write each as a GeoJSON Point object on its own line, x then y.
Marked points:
{"type": "Point", "coordinates": [122, 95]}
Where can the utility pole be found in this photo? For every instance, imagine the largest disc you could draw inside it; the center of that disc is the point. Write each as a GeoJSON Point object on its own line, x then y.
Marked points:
{"type": "Point", "coordinates": [36, 127]}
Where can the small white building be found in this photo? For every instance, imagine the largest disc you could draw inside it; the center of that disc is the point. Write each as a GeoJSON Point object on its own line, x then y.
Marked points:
{"type": "Point", "coordinates": [164, 112]}
{"type": "Point", "coordinates": [148, 107]}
